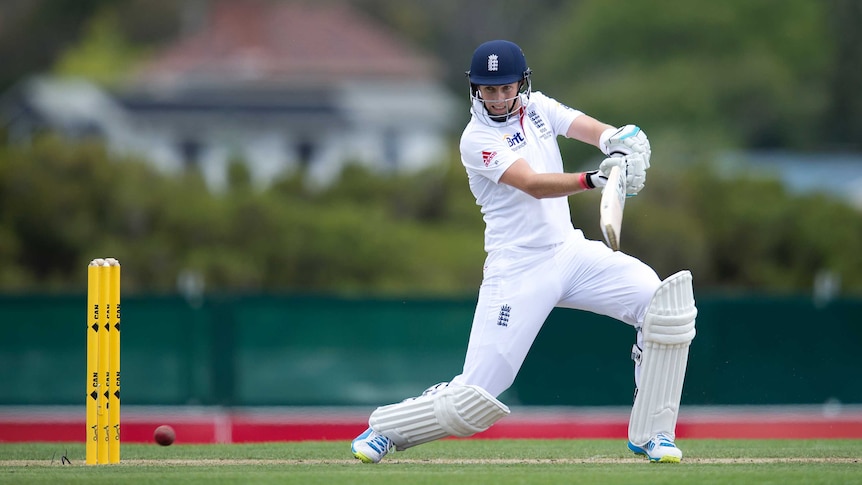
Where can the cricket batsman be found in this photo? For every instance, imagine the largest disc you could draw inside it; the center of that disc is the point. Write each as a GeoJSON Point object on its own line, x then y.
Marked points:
{"type": "Point", "coordinates": [538, 260]}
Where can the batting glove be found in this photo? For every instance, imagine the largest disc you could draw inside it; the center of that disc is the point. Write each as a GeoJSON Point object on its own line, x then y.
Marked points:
{"type": "Point", "coordinates": [628, 140]}
{"type": "Point", "coordinates": [594, 179]}
{"type": "Point", "coordinates": [633, 166]}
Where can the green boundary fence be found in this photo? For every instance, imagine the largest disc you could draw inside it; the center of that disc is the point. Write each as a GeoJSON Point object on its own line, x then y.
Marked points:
{"type": "Point", "coordinates": [255, 350]}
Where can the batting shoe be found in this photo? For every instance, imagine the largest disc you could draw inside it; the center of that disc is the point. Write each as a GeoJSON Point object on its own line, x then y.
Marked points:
{"type": "Point", "coordinates": [660, 449]}
{"type": "Point", "coordinates": [371, 447]}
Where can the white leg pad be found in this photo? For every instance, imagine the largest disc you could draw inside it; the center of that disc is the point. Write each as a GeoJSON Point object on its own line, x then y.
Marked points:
{"type": "Point", "coordinates": [452, 411]}
{"type": "Point", "coordinates": [668, 330]}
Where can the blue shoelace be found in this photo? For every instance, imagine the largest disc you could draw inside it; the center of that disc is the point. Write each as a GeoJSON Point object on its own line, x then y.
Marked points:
{"type": "Point", "coordinates": [379, 444]}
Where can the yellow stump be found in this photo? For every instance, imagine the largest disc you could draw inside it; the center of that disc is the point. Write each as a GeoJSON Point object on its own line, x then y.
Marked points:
{"type": "Point", "coordinates": [93, 387]}
{"type": "Point", "coordinates": [103, 362]}
{"type": "Point", "coordinates": [113, 311]}
{"type": "Point", "coordinates": [104, 358]}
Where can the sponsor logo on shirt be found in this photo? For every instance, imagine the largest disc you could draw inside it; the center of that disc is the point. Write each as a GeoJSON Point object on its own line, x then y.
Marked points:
{"type": "Point", "coordinates": [515, 139]}
{"type": "Point", "coordinates": [488, 157]}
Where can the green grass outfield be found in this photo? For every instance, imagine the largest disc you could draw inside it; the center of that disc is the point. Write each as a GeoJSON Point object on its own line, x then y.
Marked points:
{"type": "Point", "coordinates": [449, 462]}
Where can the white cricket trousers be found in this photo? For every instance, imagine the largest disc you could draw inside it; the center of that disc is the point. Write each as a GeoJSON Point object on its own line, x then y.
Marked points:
{"type": "Point", "coordinates": [522, 285]}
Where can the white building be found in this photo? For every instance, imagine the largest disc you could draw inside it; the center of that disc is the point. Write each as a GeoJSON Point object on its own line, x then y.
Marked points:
{"type": "Point", "coordinates": [276, 85]}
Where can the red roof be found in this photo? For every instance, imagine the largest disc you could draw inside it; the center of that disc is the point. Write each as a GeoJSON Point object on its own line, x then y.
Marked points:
{"type": "Point", "coordinates": [255, 41]}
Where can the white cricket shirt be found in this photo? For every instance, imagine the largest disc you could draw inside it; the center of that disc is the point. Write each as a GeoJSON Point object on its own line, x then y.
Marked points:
{"type": "Point", "coordinates": [512, 217]}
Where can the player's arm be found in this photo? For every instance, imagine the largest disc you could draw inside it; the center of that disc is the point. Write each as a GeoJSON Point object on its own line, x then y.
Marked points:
{"type": "Point", "coordinates": [588, 130]}
{"type": "Point", "coordinates": [546, 185]}
{"type": "Point", "coordinates": [626, 140]}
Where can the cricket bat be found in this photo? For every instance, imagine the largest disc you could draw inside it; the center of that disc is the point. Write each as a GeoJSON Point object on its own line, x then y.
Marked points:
{"type": "Point", "coordinates": [611, 209]}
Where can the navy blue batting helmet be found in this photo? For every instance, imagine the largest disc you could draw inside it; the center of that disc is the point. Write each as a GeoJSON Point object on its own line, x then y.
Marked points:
{"type": "Point", "coordinates": [498, 62]}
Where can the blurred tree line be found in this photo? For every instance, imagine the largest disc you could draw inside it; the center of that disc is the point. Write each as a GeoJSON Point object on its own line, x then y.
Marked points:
{"type": "Point", "coordinates": [700, 77]}
{"type": "Point", "coordinates": [751, 73]}
{"type": "Point", "coordinates": [63, 204]}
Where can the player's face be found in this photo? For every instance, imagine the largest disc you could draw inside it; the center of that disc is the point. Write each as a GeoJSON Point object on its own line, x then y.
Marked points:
{"type": "Point", "coordinates": [498, 99]}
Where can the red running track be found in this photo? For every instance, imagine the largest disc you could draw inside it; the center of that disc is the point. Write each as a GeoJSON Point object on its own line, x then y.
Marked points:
{"type": "Point", "coordinates": [207, 425]}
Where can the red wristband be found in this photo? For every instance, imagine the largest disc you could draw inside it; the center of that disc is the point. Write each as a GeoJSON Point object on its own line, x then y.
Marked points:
{"type": "Point", "coordinates": [583, 180]}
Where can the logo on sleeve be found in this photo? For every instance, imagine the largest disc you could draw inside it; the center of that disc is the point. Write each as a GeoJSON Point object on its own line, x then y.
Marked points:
{"type": "Point", "coordinates": [539, 123]}
{"type": "Point", "coordinates": [536, 119]}
{"type": "Point", "coordinates": [488, 157]}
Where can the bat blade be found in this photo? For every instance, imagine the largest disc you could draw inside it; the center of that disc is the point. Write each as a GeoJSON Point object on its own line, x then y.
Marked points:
{"type": "Point", "coordinates": [611, 209]}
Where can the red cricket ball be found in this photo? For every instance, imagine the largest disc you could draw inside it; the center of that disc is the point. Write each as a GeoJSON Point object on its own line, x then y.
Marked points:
{"type": "Point", "coordinates": [164, 435]}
